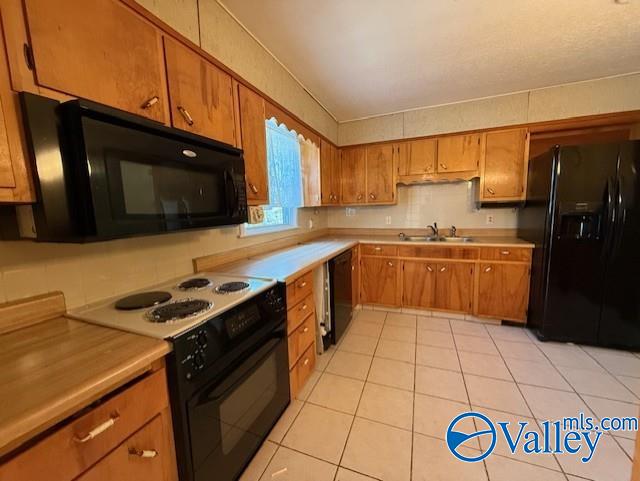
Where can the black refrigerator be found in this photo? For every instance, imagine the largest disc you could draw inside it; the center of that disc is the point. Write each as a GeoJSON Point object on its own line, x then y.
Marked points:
{"type": "Point", "coordinates": [582, 214]}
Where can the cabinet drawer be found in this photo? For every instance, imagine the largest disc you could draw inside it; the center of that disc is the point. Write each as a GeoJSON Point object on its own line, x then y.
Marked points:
{"type": "Point", "coordinates": [303, 369]}
{"type": "Point", "coordinates": [71, 450]}
{"type": "Point", "coordinates": [299, 312]}
{"type": "Point", "coordinates": [439, 252]}
{"type": "Point", "coordinates": [300, 339]}
{"type": "Point", "coordinates": [299, 288]}
{"type": "Point", "coordinates": [379, 250]}
{"type": "Point", "coordinates": [145, 455]}
{"type": "Point", "coordinates": [505, 254]}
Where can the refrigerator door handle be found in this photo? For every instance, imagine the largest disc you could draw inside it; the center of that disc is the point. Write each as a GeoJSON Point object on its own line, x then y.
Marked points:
{"type": "Point", "coordinates": [609, 221]}
{"type": "Point", "coordinates": [620, 218]}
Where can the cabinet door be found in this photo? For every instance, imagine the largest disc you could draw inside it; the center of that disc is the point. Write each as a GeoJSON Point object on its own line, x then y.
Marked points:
{"type": "Point", "coordinates": [454, 286]}
{"type": "Point", "coordinates": [504, 167]}
{"type": "Point", "coordinates": [418, 284]}
{"type": "Point", "coordinates": [459, 153]}
{"type": "Point", "coordinates": [99, 50]}
{"type": "Point", "coordinates": [503, 291]}
{"type": "Point", "coordinates": [145, 455]}
{"type": "Point", "coordinates": [379, 280]}
{"type": "Point", "coordinates": [330, 173]}
{"type": "Point", "coordinates": [254, 144]}
{"type": "Point", "coordinates": [420, 158]}
{"type": "Point", "coordinates": [381, 181]}
{"type": "Point", "coordinates": [199, 93]}
{"type": "Point", "coordinates": [352, 179]}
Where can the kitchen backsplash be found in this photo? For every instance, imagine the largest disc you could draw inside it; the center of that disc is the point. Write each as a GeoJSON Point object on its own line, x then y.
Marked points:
{"type": "Point", "coordinates": [420, 205]}
{"type": "Point", "coordinates": [89, 272]}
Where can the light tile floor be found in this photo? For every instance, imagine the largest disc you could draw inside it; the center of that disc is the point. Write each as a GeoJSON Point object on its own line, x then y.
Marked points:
{"type": "Point", "coordinates": [377, 406]}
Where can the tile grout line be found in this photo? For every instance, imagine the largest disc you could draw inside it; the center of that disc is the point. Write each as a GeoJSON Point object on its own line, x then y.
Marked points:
{"type": "Point", "coordinates": [524, 397]}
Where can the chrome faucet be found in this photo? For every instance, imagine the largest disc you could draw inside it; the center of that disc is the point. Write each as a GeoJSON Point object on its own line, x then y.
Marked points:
{"type": "Point", "coordinates": [434, 229]}
{"type": "Point", "coordinates": [453, 231]}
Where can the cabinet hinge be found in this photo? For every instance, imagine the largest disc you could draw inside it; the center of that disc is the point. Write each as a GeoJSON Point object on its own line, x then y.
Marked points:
{"type": "Point", "coordinates": [28, 56]}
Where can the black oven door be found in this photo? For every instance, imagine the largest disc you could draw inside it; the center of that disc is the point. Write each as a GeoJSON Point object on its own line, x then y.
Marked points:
{"type": "Point", "coordinates": [229, 418]}
{"type": "Point", "coordinates": [142, 182]}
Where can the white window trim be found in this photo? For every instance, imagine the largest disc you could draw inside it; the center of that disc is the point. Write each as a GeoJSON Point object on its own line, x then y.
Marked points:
{"type": "Point", "coordinates": [243, 231]}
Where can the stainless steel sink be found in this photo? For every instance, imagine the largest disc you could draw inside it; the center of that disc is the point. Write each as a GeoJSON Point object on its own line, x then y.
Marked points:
{"type": "Point", "coordinates": [456, 239]}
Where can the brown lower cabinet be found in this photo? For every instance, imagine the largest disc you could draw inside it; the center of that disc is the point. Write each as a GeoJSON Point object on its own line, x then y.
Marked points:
{"type": "Point", "coordinates": [379, 280]}
{"type": "Point", "coordinates": [485, 281]}
{"type": "Point", "coordinates": [503, 290]}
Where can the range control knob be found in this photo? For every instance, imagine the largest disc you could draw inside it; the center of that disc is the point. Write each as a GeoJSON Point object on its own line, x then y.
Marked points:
{"type": "Point", "coordinates": [201, 339]}
{"type": "Point", "coordinates": [198, 361]}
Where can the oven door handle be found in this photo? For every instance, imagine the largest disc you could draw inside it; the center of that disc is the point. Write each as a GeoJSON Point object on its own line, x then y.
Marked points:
{"type": "Point", "coordinates": [232, 189]}
{"type": "Point", "coordinates": [221, 389]}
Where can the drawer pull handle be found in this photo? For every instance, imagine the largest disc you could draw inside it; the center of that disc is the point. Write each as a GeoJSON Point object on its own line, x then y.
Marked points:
{"type": "Point", "coordinates": [442, 269]}
{"type": "Point", "coordinates": [303, 307]}
{"type": "Point", "coordinates": [253, 188]}
{"type": "Point", "coordinates": [372, 196]}
{"type": "Point", "coordinates": [98, 429]}
{"type": "Point", "coordinates": [359, 197]}
{"type": "Point", "coordinates": [143, 453]}
{"type": "Point", "coordinates": [185, 115]}
{"type": "Point", "coordinates": [444, 166]}
{"type": "Point", "coordinates": [377, 248]}
{"type": "Point", "coordinates": [302, 284]}
{"type": "Point", "coordinates": [429, 269]}
{"type": "Point", "coordinates": [491, 191]}
{"type": "Point", "coordinates": [505, 253]}
{"type": "Point", "coordinates": [150, 103]}
{"type": "Point", "coordinates": [488, 269]}
{"type": "Point", "coordinates": [390, 264]}
{"type": "Point", "coordinates": [306, 361]}
{"type": "Point", "coordinates": [305, 330]}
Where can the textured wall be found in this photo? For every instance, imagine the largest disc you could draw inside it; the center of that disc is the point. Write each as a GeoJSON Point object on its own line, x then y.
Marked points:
{"type": "Point", "coordinates": [420, 205]}
{"type": "Point", "coordinates": [614, 94]}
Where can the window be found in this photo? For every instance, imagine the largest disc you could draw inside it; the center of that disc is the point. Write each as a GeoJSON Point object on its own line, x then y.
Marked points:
{"type": "Point", "coordinates": [285, 181]}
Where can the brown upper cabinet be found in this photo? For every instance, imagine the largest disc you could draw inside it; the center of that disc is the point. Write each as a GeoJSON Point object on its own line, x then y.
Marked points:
{"type": "Point", "coordinates": [459, 153]}
{"type": "Point", "coordinates": [380, 174]}
{"type": "Point", "coordinates": [330, 173]}
{"type": "Point", "coordinates": [200, 94]}
{"type": "Point", "coordinates": [417, 160]}
{"type": "Point", "coordinates": [503, 170]}
{"type": "Point", "coordinates": [15, 178]}
{"type": "Point", "coordinates": [353, 163]}
{"type": "Point", "coordinates": [254, 144]}
{"type": "Point", "coordinates": [100, 50]}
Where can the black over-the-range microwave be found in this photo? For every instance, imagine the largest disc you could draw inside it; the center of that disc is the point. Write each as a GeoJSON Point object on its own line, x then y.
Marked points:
{"type": "Point", "coordinates": [102, 173]}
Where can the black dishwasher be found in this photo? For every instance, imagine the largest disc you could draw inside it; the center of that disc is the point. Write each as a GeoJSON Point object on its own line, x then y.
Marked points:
{"type": "Point", "coordinates": [340, 294]}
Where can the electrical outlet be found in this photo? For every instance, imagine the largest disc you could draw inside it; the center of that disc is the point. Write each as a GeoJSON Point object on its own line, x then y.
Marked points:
{"type": "Point", "coordinates": [489, 219]}
{"type": "Point", "coordinates": [387, 220]}
{"type": "Point", "coordinates": [310, 223]}
{"type": "Point", "coordinates": [350, 212]}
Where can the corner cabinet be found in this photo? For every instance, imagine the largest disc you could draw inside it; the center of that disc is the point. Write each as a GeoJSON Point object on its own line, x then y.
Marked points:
{"type": "Point", "coordinates": [329, 173]}
{"type": "Point", "coordinates": [503, 171]}
{"type": "Point", "coordinates": [100, 50]}
{"type": "Point", "coordinates": [254, 143]}
{"type": "Point", "coordinates": [200, 94]}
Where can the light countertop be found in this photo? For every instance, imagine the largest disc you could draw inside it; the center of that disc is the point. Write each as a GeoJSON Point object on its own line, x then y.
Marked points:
{"type": "Point", "coordinates": [54, 368]}
{"type": "Point", "coordinates": [286, 264]}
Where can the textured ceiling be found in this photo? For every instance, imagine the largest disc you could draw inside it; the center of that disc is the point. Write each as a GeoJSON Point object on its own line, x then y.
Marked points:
{"type": "Point", "coordinates": [368, 57]}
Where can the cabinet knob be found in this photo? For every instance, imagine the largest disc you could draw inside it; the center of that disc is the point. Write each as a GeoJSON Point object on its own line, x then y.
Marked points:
{"type": "Point", "coordinates": [359, 197]}
{"type": "Point", "coordinates": [491, 191]}
{"type": "Point", "coordinates": [488, 269]}
{"type": "Point", "coordinates": [150, 102]}
{"type": "Point", "coordinates": [443, 268]}
{"type": "Point", "coordinates": [377, 248]}
{"type": "Point", "coordinates": [505, 253]}
{"type": "Point", "coordinates": [185, 115]}
{"type": "Point", "coordinates": [429, 269]}
{"type": "Point", "coordinates": [302, 284]}
{"type": "Point", "coordinates": [444, 166]}
{"type": "Point", "coordinates": [305, 330]}
{"type": "Point", "coordinates": [304, 307]}
{"type": "Point", "coordinates": [390, 264]}
{"type": "Point", "coordinates": [253, 188]}
{"type": "Point", "coordinates": [306, 361]}
{"type": "Point", "coordinates": [372, 196]}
